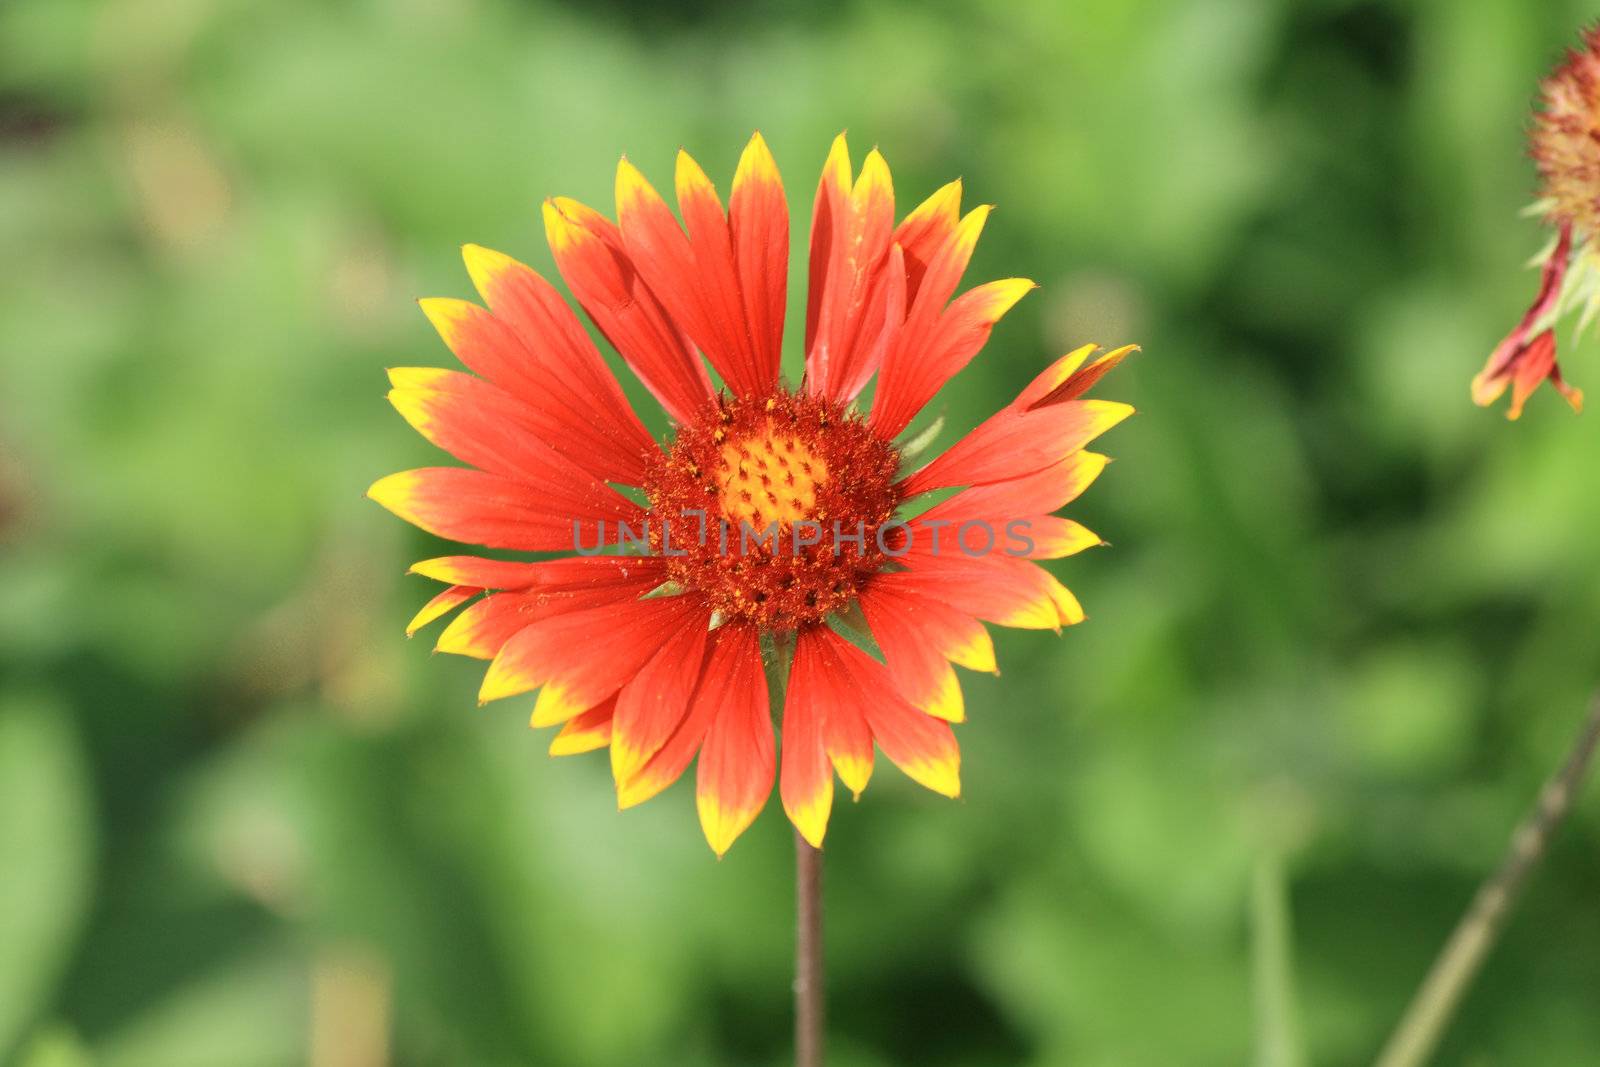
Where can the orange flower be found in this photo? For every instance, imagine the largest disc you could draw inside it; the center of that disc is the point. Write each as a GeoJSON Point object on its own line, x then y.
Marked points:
{"type": "Point", "coordinates": [768, 532]}
{"type": "Point", "coordinates": [1565, 146]}
{"type": "Point", "coordinates": [1522, 362]}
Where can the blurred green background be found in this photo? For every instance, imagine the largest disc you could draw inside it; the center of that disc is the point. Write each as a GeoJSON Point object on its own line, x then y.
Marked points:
{"type": "Point", "coordinates": [1347, 626]}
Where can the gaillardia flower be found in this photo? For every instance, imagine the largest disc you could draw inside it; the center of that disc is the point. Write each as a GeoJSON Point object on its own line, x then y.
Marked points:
{"type": "Point", "coordinates": [1565, 145]}
{"type": "Point", "coordinates": [779, 527]}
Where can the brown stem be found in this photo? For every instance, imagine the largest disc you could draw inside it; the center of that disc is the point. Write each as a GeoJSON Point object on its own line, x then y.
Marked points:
{"type": "Point", "coordinates": [809, 985]}
{"type": "Point", "coordinates": [1424, 1022]}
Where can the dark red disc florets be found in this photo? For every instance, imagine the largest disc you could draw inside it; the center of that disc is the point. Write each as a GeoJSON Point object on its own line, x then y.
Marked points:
{"type": "Point", "coordinates": [768, 476]}
{"type": "Point", "coordinates": [1565, 139]}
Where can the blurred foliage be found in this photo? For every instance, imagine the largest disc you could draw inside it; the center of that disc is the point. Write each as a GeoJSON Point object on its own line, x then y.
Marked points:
{"type": "Point", "coordinates": [1347, 626]}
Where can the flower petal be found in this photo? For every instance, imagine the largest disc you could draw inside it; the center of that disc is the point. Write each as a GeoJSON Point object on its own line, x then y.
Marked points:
{"type": "Point", "coordinates": [693, 273]}
{"type": "Point", "coordinates": [849, 744]}
{"type": "Point", "coordinates": [806, 781]}
{"type": "Point", "coordinates": [935, 345]}
{"type": "Point", "coordinates": [1040, 493]}
{"type": "Point", "coordinates": [487, 624]}
{"type": "Point", "coordinates": [1521, 363]}
{"type": "Point", "coordinates": [833, 191]}
{"type": "Point", "coordinates": [923, 232]}
{"type": "Point", "coordinates": [1068, 379]}
{"type": "Point", "coordinates": [840, 360]}
{"type": "Point", "coordinates": [729, 660]}
{"type": "Point", "coordinates": [486, 427]}
{"type": "Point", "coordinates": [737, 761]}
{"type": "Point", "coordinates": [716, 279]}
{"type": "Point", "coordinates": [1049, 537]}
{"type": "Point", "coordinates": [499, 512]}
{"type": "Point", "coordinates": [576, 390]}
{"type": "Point", "coordinates": [585, 732]}
{"type": "Point", "coordinates": [551, 575]}
{"type": "Point", "coordinates": [759, 216]}
{"type": "Point", "coordinates": [923, 747]}
{"type": "Point", "coordinates": [1013, 444]}
{"type": "Point", "coordinates": [485, 345]}
{"type": "Point", "coordinates": [957, 636]}
{"type": "Point", "coordinates": [520, 387]}
{"type": "Point", "coordinates": [654, 702]}
{"type": "Point", "coordinates": [590, 254]}
{"type": "Point", "coordinates": [842, 676]}
{"type": "Point", "coordinates": [579, 658]}
{"type": "Point", "coordinates": [1002, 589]}
{"type": "Point", "coordinates": [440, 605]}
{"type": "Point", "coordinates": [920, 637]}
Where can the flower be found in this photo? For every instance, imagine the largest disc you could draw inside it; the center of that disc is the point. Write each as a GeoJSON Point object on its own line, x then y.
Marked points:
{"type": "Point", "coordinates": [1563, 141]}
{"type": "Point", "coordinates": [1565, 145]}
{"type": "Point", "coordinates": [767, 528]}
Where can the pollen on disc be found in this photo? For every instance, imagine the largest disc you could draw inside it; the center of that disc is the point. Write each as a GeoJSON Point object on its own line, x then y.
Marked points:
{"type": "Point", "coordinates": [769, 476]}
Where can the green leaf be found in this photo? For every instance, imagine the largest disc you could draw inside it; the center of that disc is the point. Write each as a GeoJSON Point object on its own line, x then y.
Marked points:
{"type": "Point", "coordinates": [45, 852]}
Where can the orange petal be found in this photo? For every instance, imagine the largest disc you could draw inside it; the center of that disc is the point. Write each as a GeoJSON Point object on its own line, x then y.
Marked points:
{"type": "Point", "coordinates": [920, 745]}
{"type": "Point", "coordinates": [499, 512]}
{"type": "Point", "coordinates": [1067, 379]}
{"type": "Point", "coordinates": [578, 395]}
{"type": "Point", "coordinates": [552, 575]}
{"type": "Point", "coordinates": [1002, 589]}
{"type": "Point", "coordinates": [679, 273]}
{"type": "Point", "coordinates": [936, 344]}
{"type": "Point", "coordinates": [1048, 537]}
{"type": "Point", "coordinates": [949, 262]}
{"type": "Point", "coordinates": [737, 761]}
{"type": "Point", "coordinates": [849, 743]}
{"type": "Point", "coordinates": [487, 346]}
{"type": "Point", "coordinates": [1013, 444]}
{"type": "Point", "coordinates": [833, 190]}
{"type": "Point", "coordinates": [1040, 493]}
{"type": "Point", "coordinates": [728, 663]}
{"type": "Point", "coordinates": [440, 605]}
{"type": "Point", "coordinates": [716, 281]}
{"type": "Point", "coordinates": [920, 637]}
{"type": "Point", "coordinates": [480, 424]}
{"type": "Point", "coordinates": [599, 432]}
{"type": "Point", "coordinates": [579, 658]}
{"type": "Point", "coordinates": [839, 361]}
{"type": "Point", "coordinates": [1521, 363]}
{"type": "Point", "coordinates": [923, 232]}
{"type": "Point", "coordinates": [1532, 366]}
{"type": "Point", "coordinates": [758, 214]}
{"type": "Point", "coordinates": [920, 671]}
{"type": "Point", "coordinates": [591, 256]}
{"type": "Point", "coordinates": [693, 273]}
{"type": "Point", "coordinates": [654, 702]}
{"type": "Point", "coordinates": [487, 624]}
{"type": "Point", "coordinates": [586, 732]}
{"type": "Point", "coordinates": [483, 629]}
{"type": "Point", "coordinates": [806, 781]}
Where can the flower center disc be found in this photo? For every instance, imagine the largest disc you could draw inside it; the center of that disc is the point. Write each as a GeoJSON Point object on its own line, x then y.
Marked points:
{"type": "Point", "coordinates": [792, 490]}
{"type": "Point", "coordinates": [770, 477]}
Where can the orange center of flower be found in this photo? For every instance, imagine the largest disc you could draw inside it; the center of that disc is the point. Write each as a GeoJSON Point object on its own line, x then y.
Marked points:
{"type": "Point", "coordinates": [1565, 138]}
{"type": "Point", "coordinates": [770, 477]}
{"type": "Point", "coordinates": [771, 509]}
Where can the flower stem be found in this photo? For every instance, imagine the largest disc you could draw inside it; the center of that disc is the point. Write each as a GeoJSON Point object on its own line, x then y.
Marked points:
{"type": "Point", "coordinates": [1416, 1037]}
{"type": "Point", "coordinates": [809, 976]}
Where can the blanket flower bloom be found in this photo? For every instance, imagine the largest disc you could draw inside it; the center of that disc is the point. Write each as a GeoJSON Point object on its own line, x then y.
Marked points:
{"type": "Point", "coordinates": [1565, 145]}
{"type": "Point", "coordinates": [664, 653]}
